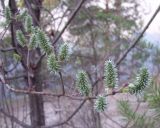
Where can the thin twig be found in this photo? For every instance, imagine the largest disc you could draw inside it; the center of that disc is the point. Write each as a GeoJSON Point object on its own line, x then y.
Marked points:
{"type": "Point", "coordinates": [15, 119]}
{"type": "Point", "coordinates": [69, 21]}
{"type": "Point", "coordinates": [7, 49]}
{"type": "Point", "coordinates": [58, 95]}
{"type": "Point", "coordinates": [133, 44]}
{"type": "Point", "coordinates": [139, 37]}
{"type": "Point", "coordinates": [69, 118]}
{"type": "Point", "coordinates": [108, 117]}
{"type": "Point", "coordinates": [62, 83]}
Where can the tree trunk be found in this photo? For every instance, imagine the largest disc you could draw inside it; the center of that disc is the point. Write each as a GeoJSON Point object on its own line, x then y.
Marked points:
{"type": "Point", "coordinates": [36, 104]}
{"type": "Point", "coordinates": [37, 114]}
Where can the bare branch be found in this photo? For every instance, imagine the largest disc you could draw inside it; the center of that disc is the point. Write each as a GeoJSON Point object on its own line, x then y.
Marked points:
{"type": "Point", "coordinates": [15, 119]}
{"type": "Point", "coordinates": [133, 44]}
{"type": "Point", "coordinates": [69, 21]}
{"type": "Point", "coordinates": [7, 49]}
{"type": "Point", "coordinates": [2, 3]}
{"type": "Point", "coordinates": [62, 83]}
{"type": "Point", "coordinates": [69, 118]}
{"type": "Point", "coordinates": [138, 38]}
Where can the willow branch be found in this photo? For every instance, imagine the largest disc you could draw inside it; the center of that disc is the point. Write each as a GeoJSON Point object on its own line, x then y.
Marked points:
{"type": "Point", "coordinates": [139, 37]}
{"type": "Point", "coordinates": [132, 44]}
{"type": "Point", "coordinates": [69, 21]}
{"type": "Point", "coordinates": [7, 49]}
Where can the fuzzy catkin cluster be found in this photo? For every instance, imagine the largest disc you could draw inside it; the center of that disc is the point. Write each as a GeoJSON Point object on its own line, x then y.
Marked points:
{"type": "Point", "coordinates": [7, 15]}
{"type": "Point", "coordinates": [110, 74]}
{"type": "Point", "coordinates": [142, 80]}
{"type": "Point", "coordinates": [63, 52]}
{"type": "Point", "coordinates": [32, 42]}
{"type": "Point", "coordinates": [83, 83]}
{"type": "Point", "coordinates": [43, 42]}
{"type": "Point", "coordinates": [36, 37]}
{"type": "Point", "coordinates": [33, 37]}
{"type": "Point", "coordinates": [28, 23]}
{"type": "Point", "coordinates": [100, 103]}
{"type": "Point", "coordinates": [21, 38]}
{"type": "Point", "coordinates": [110, 81]}
{"type": "Point", "coordinates": [52, 63]}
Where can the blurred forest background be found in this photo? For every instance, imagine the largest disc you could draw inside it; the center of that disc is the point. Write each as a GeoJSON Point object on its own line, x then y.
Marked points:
{"type": "Point", "coordinates": [95, 31]}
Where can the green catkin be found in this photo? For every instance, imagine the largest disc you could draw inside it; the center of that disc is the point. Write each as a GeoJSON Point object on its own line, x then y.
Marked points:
{"type": "Point", "coordinates": [82, 83]}
{"type": "Point", "coordinates": [20, 38]}
{"type": "Point", "coordinates": [110, 74]}
{"type": "Point", "coordinates": [64, 52]}
{"type": "Point", "coordinates": [52, 64]}
{"type": "Point", "coordinates": [7, 14]}
{"type": "Point", "coordinates": [43, 42]}
{"type": "Point", "coordinates": [22, 15]}
{"type": "Point", "coordinates": [100, 103]}
{"type": "Point", "coordinates": [142, 80]}
{"type": "Point", "coordinates": [28, 24]}
{"type": "Point", "coordinates": [32, 42]}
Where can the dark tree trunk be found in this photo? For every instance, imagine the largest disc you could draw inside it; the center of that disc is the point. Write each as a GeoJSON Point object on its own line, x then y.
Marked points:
{"type": "Point", "coordinates": [36, 101]}
{"type": "Point", "coordinates": [36, 104]}
{"type": "Point", "coordinates": [37, 114]}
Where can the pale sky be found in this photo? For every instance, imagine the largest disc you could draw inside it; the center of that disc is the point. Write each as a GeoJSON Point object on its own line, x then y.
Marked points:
{"type": "Point", "coordinates": [149, 6]}
{"type": "Point", "coordinates": [153, 32]}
